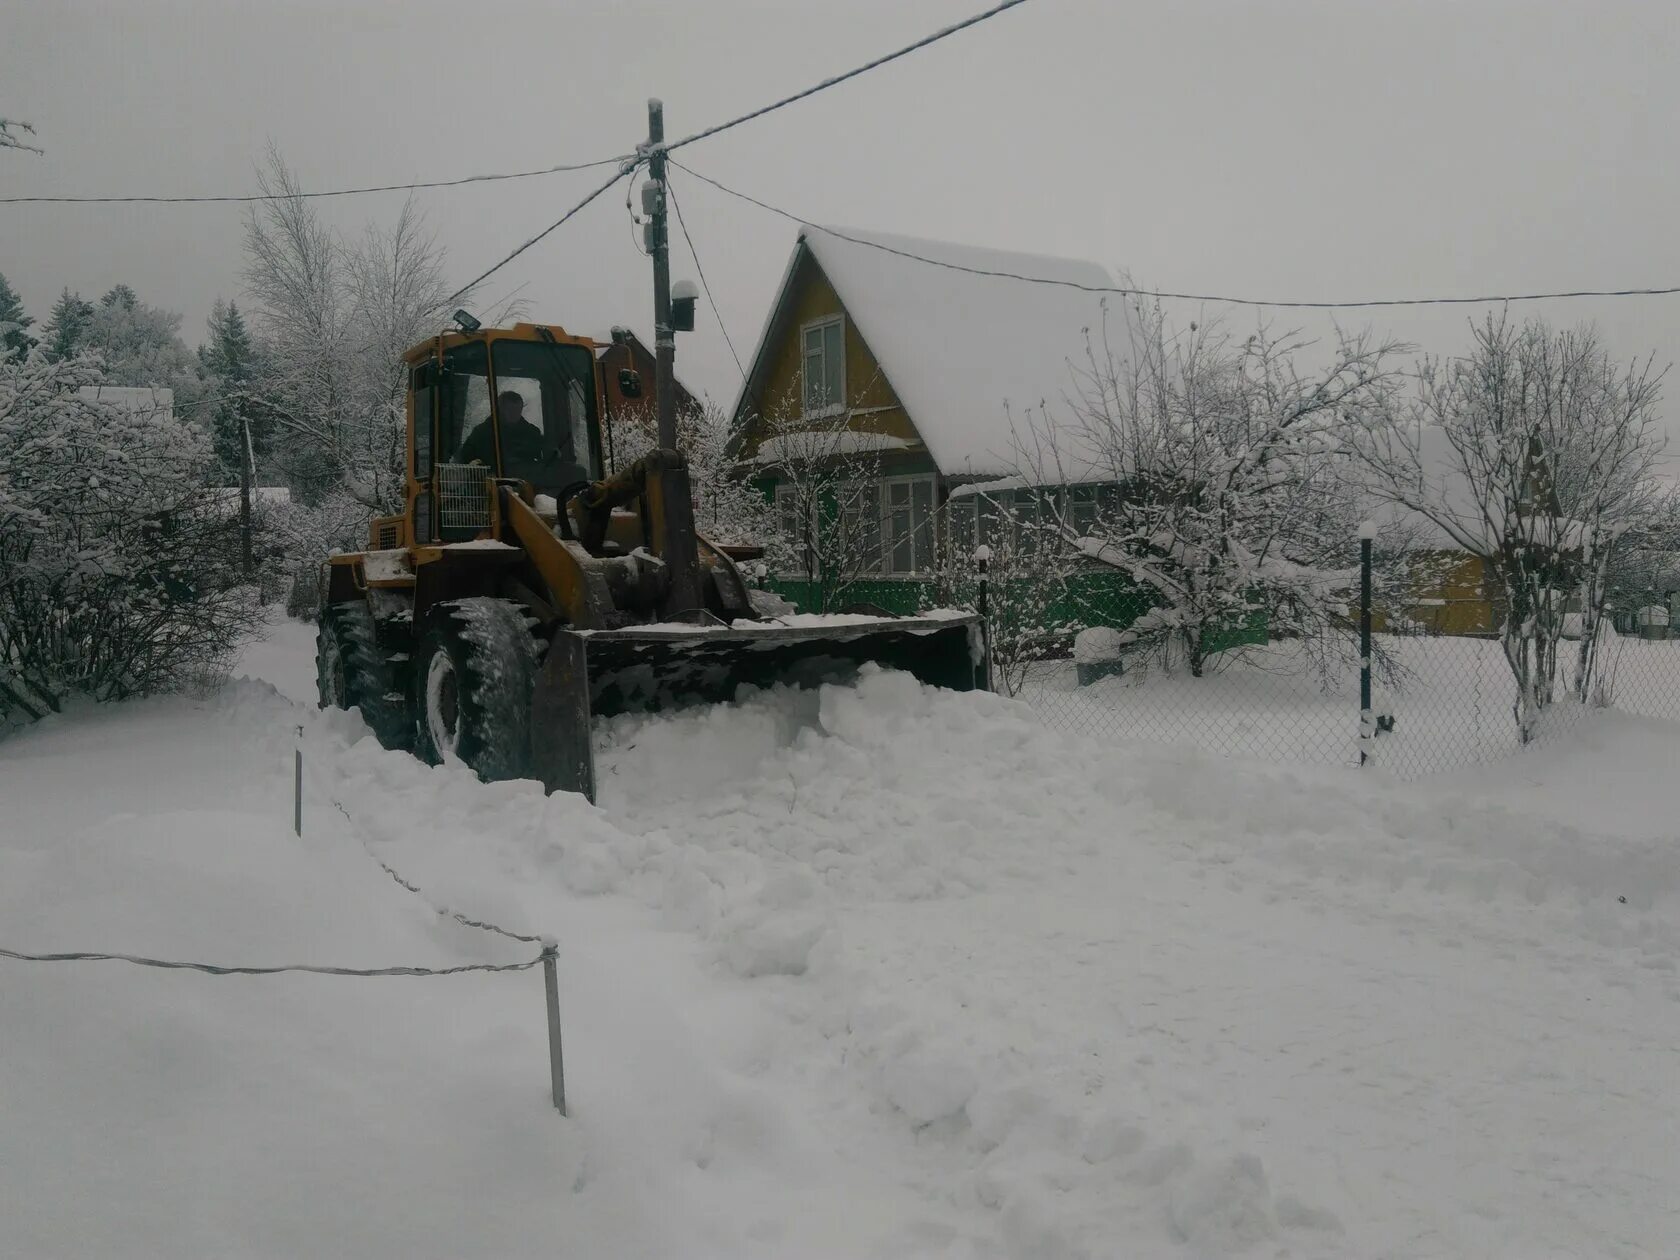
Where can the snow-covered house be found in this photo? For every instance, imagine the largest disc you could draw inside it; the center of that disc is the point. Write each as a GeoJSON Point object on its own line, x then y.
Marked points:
{"type": "Point", "coordinates": [922, 357]}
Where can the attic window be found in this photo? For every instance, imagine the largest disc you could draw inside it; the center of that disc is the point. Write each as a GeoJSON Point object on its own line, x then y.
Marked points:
{"type": "Point", "coordinates": [825, 367]}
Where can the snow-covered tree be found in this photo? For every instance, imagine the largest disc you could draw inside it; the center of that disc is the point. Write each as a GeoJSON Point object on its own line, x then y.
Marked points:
{"type": "Point", "coordinates": [63, 334]}
{"type": "Point", "coordinates": [727, 509]}
{"type": "Point", "coordinates": [14, 322]}
{"type": "Point", "coordinates": [140, 344]}
{"type": "Point", "coordinates": [1537, 453]}
{"type": "Point", "coordinates": [238, 433]}
{"type": "Point", "coordinates": [1211, 462]}
{"type": "Point", "coordinates": [334, 318]}
{"type": "Point", "coordinates": [117, 577]}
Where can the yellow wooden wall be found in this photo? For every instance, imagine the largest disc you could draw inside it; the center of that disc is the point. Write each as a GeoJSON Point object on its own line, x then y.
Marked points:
{"type": "Point", "coordinates": [1452, 599]}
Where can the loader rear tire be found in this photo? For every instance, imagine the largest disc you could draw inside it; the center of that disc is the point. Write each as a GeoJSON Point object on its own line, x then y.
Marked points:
{"type": "Point", "coordinates": [353, 672]}
{"type": "Point", "coordinates": [473, 677]}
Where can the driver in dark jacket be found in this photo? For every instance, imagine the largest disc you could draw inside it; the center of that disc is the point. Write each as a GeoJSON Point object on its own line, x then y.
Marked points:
{"type": "Point", "coordinates": [523, 444]}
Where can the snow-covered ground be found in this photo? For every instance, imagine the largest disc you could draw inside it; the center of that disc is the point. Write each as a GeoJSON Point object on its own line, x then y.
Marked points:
{"type": "Point", "coordinates": [876, 971]}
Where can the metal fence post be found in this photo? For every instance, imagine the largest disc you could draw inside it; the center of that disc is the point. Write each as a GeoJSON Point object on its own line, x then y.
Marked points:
{"type": "Point", "coordinates": [983, 562]}
{"type": "Point", "coordinates": [551, 984]}
{"type": "Point", "coordinates": [297, 786]}
{"type": "Point", "coordinates": [1367, 718]}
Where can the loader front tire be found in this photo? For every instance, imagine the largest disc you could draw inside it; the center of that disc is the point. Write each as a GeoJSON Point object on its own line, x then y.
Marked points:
{"type": "Point", "coordinates": [473, 678]}
{"type": "Point", "coordinates": [352, 672]}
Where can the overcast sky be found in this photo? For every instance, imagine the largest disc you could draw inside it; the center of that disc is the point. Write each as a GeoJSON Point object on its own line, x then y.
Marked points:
{"type": "Point", "coordinates": [1329, 150]}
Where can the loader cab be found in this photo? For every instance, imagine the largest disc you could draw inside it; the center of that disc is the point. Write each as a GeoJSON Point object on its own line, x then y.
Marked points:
{"type": "Point", "coordinates": [521, 406]}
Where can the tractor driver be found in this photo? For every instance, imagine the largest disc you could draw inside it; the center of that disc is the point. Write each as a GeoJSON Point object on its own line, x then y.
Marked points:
{"type": "Point", "coordinates": [526, 453]}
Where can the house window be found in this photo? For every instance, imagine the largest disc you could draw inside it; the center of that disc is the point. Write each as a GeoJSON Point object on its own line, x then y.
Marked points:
{"type": "Point", "coordinates": [1082, 510]}
{"type": "Point", "coordinates": [825, 367]}
{"type": "Point", "coordinates": [963, 526]}
{"type": "Point", "coordinates": [907, 522]}
{"type": "Point", "coordinates": [860, 527]}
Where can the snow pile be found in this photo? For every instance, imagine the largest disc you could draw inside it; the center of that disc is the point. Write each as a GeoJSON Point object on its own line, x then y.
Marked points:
{"type": "Point", "coordinates": [1097, 645]}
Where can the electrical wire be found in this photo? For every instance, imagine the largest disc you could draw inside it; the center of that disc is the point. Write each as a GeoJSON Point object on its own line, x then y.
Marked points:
{"type": "Point", "coordinates": [628, 166]}
{"type": "Point", "coordinates": [1489, 299]}
{"type": "Point", "coordinates": [934, 38]}
{"type": "Point", "coordinates": [701, 271]}
{"type": "Point", "coordinates": [329, 192]}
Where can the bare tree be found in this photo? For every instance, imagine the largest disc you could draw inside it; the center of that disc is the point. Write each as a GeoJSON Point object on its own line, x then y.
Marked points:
{"type": "Point", "coordinates": [12, 132]}
{"type": "Point", "coordinates": [334, 319]}
{"type": "Point", "coordinates": [1213, 459]}
{"type": "Point", "coordinates": [1536, 453]}
{"type": "Point", "coordinates": [828, 509]}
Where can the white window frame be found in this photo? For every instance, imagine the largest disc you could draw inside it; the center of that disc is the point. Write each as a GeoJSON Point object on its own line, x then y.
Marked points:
{"type": "Point", "coordinates": [837, 408]}
{"type": "Point", "coordinates": [848, 493]}
{"type": "Point", "coordinates": [924, 549]}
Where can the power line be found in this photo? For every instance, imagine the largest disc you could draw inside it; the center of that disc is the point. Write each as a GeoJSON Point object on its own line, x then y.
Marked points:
{"type": "Point", "coordinates": [330, 192]}
{"type": "Point", "coordinates": [692, 253]}
{"type": "Point", "coordinates": [1663, 291]}
{"type": "Point", "coordinates": [934, 38]}
{"type": "Point", "coordinates": [626, 168]}
{"type": "Point", "coordinates": [238, 198]}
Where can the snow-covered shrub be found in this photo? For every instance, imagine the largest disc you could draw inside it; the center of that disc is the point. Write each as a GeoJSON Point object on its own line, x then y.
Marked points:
{"type": "Point", "coordinates": [302, 535]}
{"type": "Point", "coordinates": [118, 573]}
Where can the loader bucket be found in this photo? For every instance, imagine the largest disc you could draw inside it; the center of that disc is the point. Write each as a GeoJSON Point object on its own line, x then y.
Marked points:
{"type": "Point", "coordinates": [598, 673]}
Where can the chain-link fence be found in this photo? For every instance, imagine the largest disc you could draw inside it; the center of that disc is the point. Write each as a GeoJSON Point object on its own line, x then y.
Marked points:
{"type": "Point", "coordinates": [1439, 700]}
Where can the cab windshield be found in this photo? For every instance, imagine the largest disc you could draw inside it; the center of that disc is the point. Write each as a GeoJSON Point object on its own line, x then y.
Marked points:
{"type": "Point", "coordinates": [545, 403]}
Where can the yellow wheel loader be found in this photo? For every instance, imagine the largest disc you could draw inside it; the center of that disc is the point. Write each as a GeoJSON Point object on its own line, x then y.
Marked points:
{"type": "Point", "coordinates": [523, 591]}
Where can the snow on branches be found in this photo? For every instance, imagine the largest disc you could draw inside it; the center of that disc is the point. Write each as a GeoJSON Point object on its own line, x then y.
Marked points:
{"type": "Point", "coordinates": [118, 573]}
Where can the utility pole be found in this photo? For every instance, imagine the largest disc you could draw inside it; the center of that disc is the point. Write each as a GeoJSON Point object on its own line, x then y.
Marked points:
{"type": "Point", "coordinates": [664, 335]}
{"type": "Point", "coordinates": [676, 505]}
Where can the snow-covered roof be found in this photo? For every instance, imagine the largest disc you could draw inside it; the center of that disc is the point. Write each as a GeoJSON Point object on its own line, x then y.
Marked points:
{"type": "Point", "coordinates": [965, 353]}
{"type": "Point", "coordinates": [152, 399]}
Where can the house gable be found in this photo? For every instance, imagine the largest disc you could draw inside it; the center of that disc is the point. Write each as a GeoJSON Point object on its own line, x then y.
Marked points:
{"type": "Point", "coordinates": [773, 395]}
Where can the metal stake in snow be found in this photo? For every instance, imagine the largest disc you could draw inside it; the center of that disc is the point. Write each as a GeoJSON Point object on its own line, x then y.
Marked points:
{"type": "Point", "coordinates": [297, 786]}
{"type": "Point", "coordinates": [983, 562]}
{"type": "Point", "coordinates": [1367, 718]}
{"type": "Point", "coordinates": [551, 983]}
